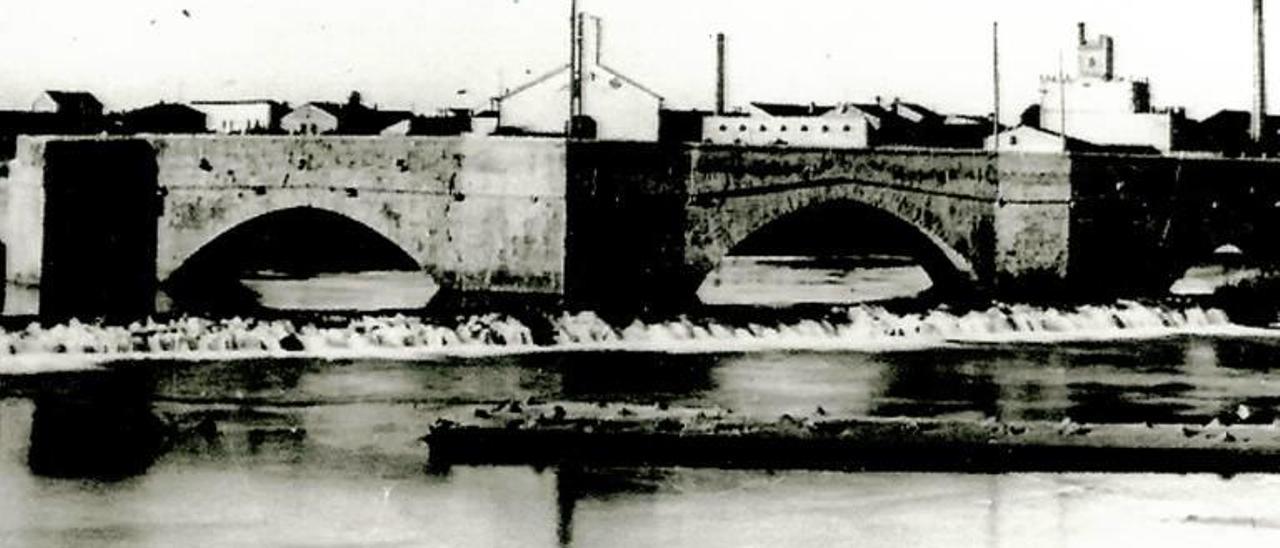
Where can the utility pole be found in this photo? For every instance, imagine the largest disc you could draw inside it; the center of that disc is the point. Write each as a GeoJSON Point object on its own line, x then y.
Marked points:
{"type": "Point", "coordinates": [1062, 104]}
{"type": "Point", "coordinates": [575, 69]}
{"type": "Point", "coordinates": [995, 75]}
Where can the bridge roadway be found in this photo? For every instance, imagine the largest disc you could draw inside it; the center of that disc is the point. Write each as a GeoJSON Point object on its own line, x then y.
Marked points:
{"type": "Point", "coordinates": [103, 225]}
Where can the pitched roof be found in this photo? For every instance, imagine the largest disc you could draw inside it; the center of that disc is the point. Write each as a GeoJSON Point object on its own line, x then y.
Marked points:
{"type": "Point", "coordinates": [334, 109]}
{"type": "Point", "coordinates": [788, 110]}
{"type": "Point", "coordinates": [1080, 145]}
{"type": "Point", "coordinates": [918, 111]}
{"type": "Point", "coordinates": [629, 81]}
{"type": "Point", "coordinates": [165, 109]}
{"type": "Point", "coordinates": [74, 100]}
{"type": "Point", "coordinates": [540, 79]}
{"type": "Point", "coordinates": [237, 102]}
{"type": "Point", "coordinates": [362, 120]}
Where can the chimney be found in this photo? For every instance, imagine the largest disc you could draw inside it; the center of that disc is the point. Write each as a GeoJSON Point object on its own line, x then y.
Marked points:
{"type": "Point", "coordinates": [1259, 75]}
{"type": "Point", "coordinates": [720, 70]}
{"type": "Point", "coordinates": [592, 39]}
{"type": "Point", "coordinates": [1084, 38]}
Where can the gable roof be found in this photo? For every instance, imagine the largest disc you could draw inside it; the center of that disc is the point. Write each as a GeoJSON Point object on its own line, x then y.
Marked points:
{"type": "Point", "coordinates": [165, 109]}
{"type": "Point", "coordinates": [790, 110]}
{"type": "Point", "coordinates": [629, 81]}
{"type": "Point", "coordinates": [531, 83]}
{"type": "Point", "coordinates": [230, 102]}
{"type": "Point", "coordinates": [74, 100]}
{"type": "Point", "coordinates": [916, 110]}
{"type": "Point", "coordinates": [363, 120]}
{"type": "Point", "coordinates": [1074, 144]}
{"type": "Point", "coordinates": [331, 108]}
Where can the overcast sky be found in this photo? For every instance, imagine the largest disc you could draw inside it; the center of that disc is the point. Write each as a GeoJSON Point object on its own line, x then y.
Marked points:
{"type": "Point", "coordinates": [421, 53]}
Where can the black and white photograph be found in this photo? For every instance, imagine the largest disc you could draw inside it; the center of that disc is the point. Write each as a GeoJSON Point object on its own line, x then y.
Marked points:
{"type": "Point", "coordinates": [619, 273]}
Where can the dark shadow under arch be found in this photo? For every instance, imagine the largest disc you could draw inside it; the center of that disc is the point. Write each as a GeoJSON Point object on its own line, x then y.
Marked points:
{"type": "Point", "coordinates": [852, 228]}
{"type": "Point", "coordinates": [293, 242]}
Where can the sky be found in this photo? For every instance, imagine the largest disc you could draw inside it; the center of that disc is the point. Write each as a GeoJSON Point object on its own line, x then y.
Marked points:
{"type": "Point", "coordinates": [427, 54]}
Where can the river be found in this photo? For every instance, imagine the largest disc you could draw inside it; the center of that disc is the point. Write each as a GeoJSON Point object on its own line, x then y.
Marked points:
{"type": "Point", "coordinates": [324, 451]}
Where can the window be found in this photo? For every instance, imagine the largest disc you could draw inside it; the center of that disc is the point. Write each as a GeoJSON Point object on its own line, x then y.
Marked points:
{"type": "Point", "coordinates": [825, 129]}
{"type": "Point", "coordinates": [782, 129]}
{"type": "Point", "coordinates": [1013, 139]}
{"type": "Point", "coordinates": [724, 127]}
{"type": "Point", "coordinates": [763, 128]}
{"type": "Point", "coordinates": [847, 128]}
{"type": "Point", "coordinates": [804, 128]}
{"type": "Point", "coordinates": [742, 127]}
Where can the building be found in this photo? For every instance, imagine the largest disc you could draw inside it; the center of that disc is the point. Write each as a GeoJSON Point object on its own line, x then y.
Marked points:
{"type": "Point", "coordinates": [1039, 140]}
{"type": "Point", "coordinates": [484, 123]}
{"type": "Point", "coordinates": [242, 116]}
{"type": "Point", "coordinates": [315, 118]}
{"type": "Point", "coordinates": [781, 124]}
{"type": "Point", "coordinates": [362, 120]}
{"type": "Point", "coordinates": [681, 126]}
{"type": "Point", "coordinates": [1034, 139]}
{"type": "Point", "coordinates": [614, 105]}
{"type": "Point", "coordinates": [841, 125]}
{"type": "Point", "coordinates": [52, 113]}
{"type": "Point", "coordinates": [1097, 106]}
{"type": "Point", "coordinates": [78, 104]}
{"type": "Point", "coordinates": [69, 112]}
{"type": "Point", "coordinates": [906, 124]}
{"type": "Point", "coordinates": [162, 118]}
{"type": "Point", "coordinates": [446, 122]}
{"type": "Point", "coordinates": [1227, 132]}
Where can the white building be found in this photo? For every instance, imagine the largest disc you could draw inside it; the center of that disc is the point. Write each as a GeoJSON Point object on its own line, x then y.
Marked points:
{"type": "Point", "coordinates": [773, 124]}
{"type": "Point", "coordinates": [622, 109]}
{"type": "Point", "coordinates": [247, 116]}
{"type": "Point", "coordinates": [314, 118]}
{"type": "Point", "coordinates": [1031, 139]}
{"type": "Point", "coordinates": [1098, 107]}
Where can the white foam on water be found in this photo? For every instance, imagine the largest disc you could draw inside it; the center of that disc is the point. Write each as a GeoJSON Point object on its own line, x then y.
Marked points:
{"type": "Point", "coordinates": [77, 346]}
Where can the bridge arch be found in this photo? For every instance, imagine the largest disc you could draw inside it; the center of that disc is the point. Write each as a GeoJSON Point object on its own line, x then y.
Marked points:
{"type": "Point", "coordinates": [950, 259]}
{"type": "Point", "coordinates": [293, 241]}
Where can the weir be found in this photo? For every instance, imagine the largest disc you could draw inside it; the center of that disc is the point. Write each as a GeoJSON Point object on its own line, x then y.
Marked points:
{"type": "Point", "coordinates": [98, 226]}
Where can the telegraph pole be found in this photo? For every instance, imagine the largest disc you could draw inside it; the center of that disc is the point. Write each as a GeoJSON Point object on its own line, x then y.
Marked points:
{"type": "Point", "coordinates": [995, 75]}
{"type": "Point", "coordinates": [575, 69]}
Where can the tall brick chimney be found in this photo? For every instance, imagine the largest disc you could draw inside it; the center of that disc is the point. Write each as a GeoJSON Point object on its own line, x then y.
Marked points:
{"type": "Point", "coordinates": [720, 74]}
{"type": "Point", "coordinates": [1257, 124]}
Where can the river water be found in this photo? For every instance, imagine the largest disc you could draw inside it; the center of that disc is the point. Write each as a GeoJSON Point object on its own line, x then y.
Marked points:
{"type": "Point", "coordinates": [325, 452]}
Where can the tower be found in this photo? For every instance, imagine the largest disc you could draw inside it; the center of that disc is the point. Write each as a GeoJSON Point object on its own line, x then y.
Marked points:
{"type": "Point", "coordinates": [1097, 56]}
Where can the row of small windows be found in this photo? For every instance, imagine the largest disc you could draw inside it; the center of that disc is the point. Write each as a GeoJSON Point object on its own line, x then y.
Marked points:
{"type": "Point", "coordinates": [765, 129]}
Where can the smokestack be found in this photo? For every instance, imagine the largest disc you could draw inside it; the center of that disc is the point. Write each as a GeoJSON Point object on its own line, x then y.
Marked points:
{"type": "Point", "coordinates": [592, 39]}
{"type": "Point", "coordinates": [720, 70]}
{"type": "Point", "coordinates": [1259, 75]}
{"type": "Point", "coordinates": [1084, 38]}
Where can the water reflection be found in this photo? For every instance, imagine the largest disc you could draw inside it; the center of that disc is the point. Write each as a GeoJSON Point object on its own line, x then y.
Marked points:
{"type": "Point", "coordinates": [102, 428]}
{"type": "Point", "coordinates": [297, 452]}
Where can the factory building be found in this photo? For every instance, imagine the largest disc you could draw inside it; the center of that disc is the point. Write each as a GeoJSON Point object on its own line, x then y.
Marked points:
{"type": "Point", "coordinates": [779, 124]}
{"type": "Point", "coordinates": [1099, 107]}
{"type": "Point", "coordinates": [614, 106]}
{"type": "Point", "coordinates": [241, 116]}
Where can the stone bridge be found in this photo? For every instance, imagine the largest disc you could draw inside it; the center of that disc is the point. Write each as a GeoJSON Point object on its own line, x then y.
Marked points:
{"type": "Point", "coordinates": [100, 225]}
